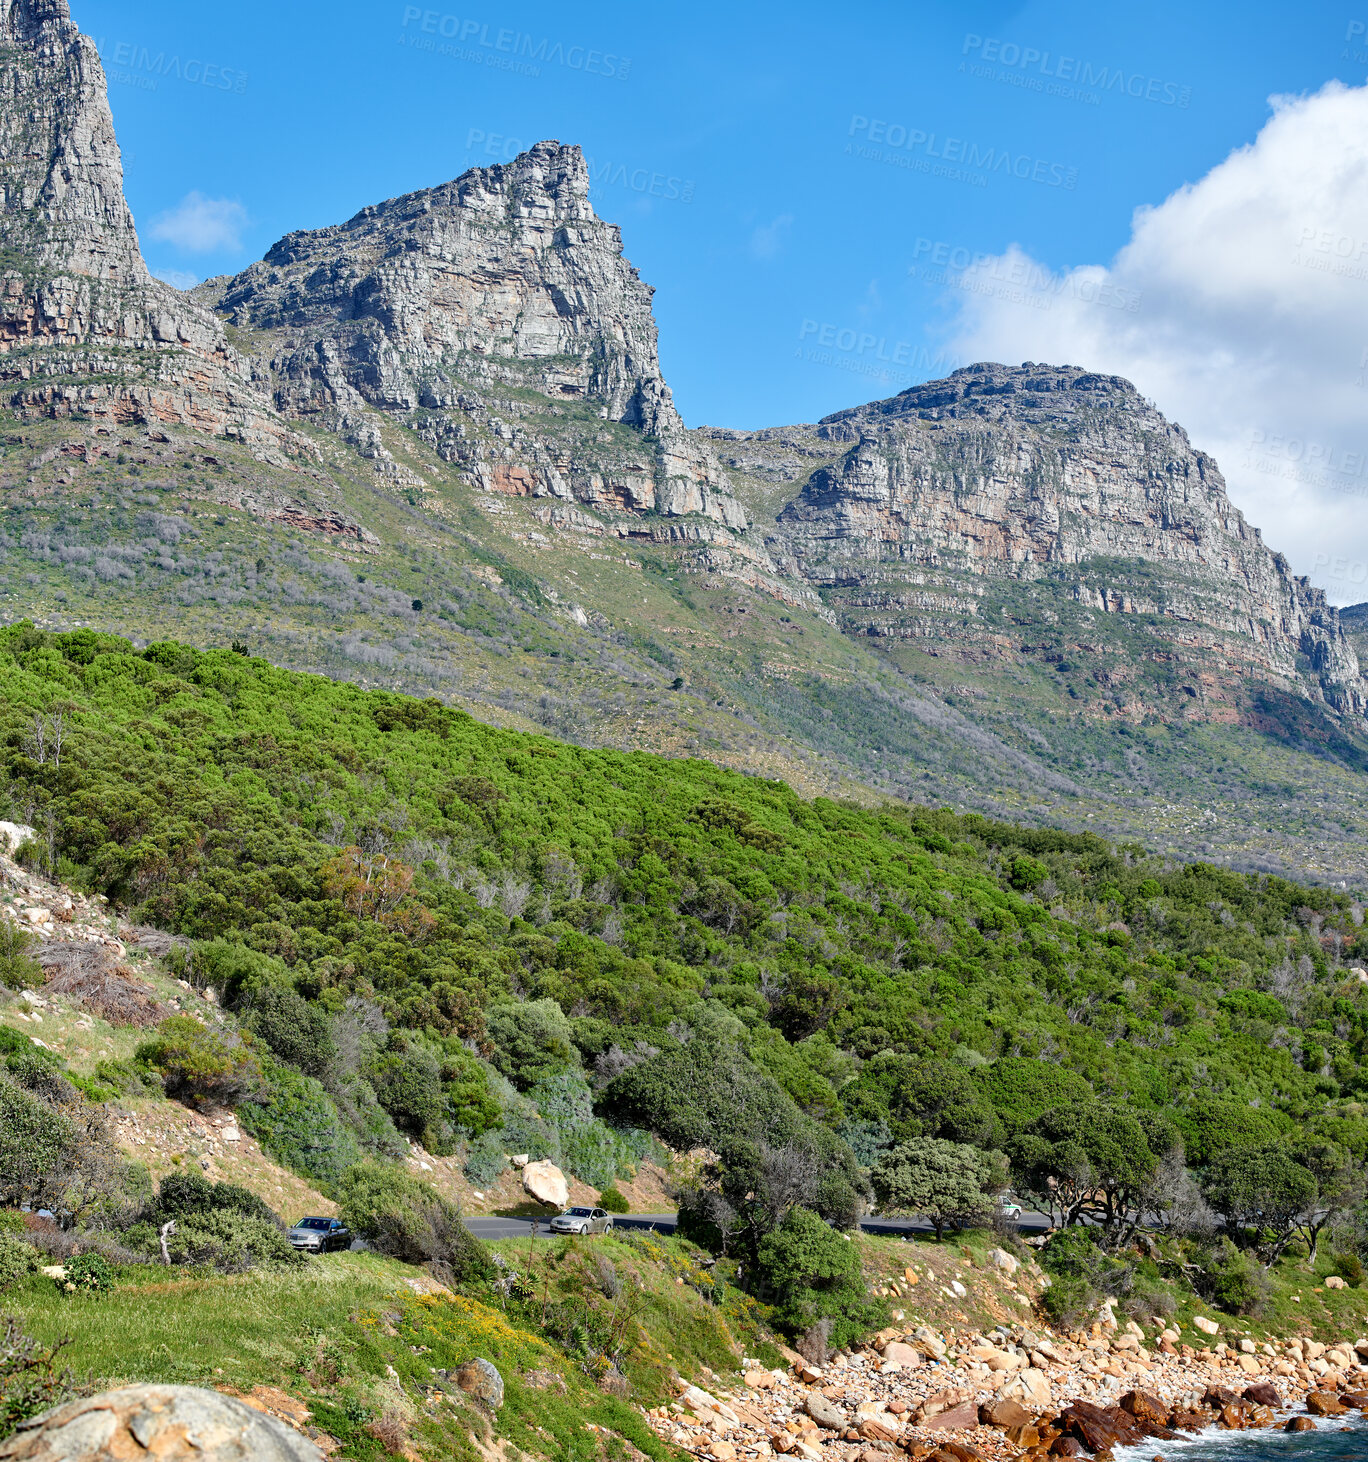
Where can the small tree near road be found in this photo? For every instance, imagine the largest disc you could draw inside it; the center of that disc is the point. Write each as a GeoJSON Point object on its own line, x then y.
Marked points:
{"type": "Point", "coordinates": [949, 1182]}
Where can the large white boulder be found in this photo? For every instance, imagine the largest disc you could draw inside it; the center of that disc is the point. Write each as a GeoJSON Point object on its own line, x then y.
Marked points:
{"type": "Point", "coordinates": [546, 1183]}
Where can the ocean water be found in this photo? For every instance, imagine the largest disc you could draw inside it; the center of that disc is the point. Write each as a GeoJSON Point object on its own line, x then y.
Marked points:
{"type": "Point", "coordinates": [1336, 1439]}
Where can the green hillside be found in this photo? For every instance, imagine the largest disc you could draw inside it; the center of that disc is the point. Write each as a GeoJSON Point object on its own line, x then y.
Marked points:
{"type": "Point", "coordinates": [365, 844]}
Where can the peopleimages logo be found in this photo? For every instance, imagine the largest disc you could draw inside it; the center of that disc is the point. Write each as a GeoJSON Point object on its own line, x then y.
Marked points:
{"type": "Point", "coordinates": [1061, 75]}
{"type": "Point", "coordinates": [603, 173]}
{"type": "Point", "coordinates": [504, 49]}
{"type": "Point", "coordinates": [127, 63]}
{"type": "Point", "coordinates": [1014, 278]}
{"type": "Point", "coordinates": [956, 158]}
{"type": "Point", "coordinates": [1309, 463]}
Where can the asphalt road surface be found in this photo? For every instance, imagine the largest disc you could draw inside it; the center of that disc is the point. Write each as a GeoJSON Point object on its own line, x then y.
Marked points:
{"type": "Point", "coordinates": [520, 1228]}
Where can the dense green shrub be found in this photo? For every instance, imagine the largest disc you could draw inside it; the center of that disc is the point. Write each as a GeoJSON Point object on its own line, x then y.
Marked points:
{"type": "Point", "coordinates": [1234, 1280]}
{"type": "Point", "coordinates": [295, 1030]}
{"type": "Point", "coordinates": [531, 1041]}
{"type": "Point", "coordinates": [195, 1061]}
{"type": "Point", "coordinates": [410, 1220]}
{"type": "Point", "coordinates": [37, 1146]}
{"type": "Point", "coordinates": [1071, 1302]}
{"type": "Point", "coordinates": [18, 969]}
{"type": "Point", "coordinates": [87, 1273]}
{"type": "Point", "coordinates": [229, 1240]}
{"type": "Point", "coordinates": [298, 1123]}
{"type": "Point", "coordinates": [408, 1082]}
{"type": "Point", "coordinates": [611, 1201]}
{"type": "Point", "coordinates": [809, 1272]}
{"type": "Point", "coordinates": [17, 1259]}
{"type": "Point", "coordinates": [181, 1194]}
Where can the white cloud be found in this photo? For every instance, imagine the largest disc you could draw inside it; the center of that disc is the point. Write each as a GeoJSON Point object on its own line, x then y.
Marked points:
{"type": "Point", "coordinates": [178, 278]}
{"type": "Point", "coordinates": [201, 225]}
{"type": "Point", "coordinates": [1240, 305]}
{"type": "Point", "coordinates": [766, 241]}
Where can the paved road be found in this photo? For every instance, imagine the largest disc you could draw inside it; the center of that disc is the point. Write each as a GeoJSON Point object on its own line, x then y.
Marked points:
{"type": "Point", "coordinates": [520, 1228]}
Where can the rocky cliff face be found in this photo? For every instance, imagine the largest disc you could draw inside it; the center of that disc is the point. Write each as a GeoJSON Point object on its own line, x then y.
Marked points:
{"type": "Point", "coordinates": [496, 316]}
{"type": "Point", "coordinates": [75, 295]}
{"type": "Point", "coordinates": [1028, 510]}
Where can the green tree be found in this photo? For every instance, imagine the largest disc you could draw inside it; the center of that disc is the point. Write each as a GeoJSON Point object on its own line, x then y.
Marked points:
{"type": "Point", "coordinates": [1213, 1127]}
{"type": "Point", "coordinates": [950, 1183]}
{"type": "Point", "coordinates": [1020, 1089]}
{"type": "Point", "coordinates": [922, 1097]}
{"type": "Point", "coordinates": [1339, 1186]}
{"type": "Point", "coordinates": [1091, 1161]}
{"type": "Point", "coordinates": [531, 1041]}
{"type": "Point", "coordinates": [1261, 1191]}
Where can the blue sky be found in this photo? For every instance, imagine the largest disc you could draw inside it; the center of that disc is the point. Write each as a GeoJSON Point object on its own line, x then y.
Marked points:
{"type": "Point", "coordinates": [818, 153]}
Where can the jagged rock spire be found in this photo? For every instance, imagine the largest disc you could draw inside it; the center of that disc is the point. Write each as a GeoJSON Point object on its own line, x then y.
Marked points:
{"type": "Point", "coordinates": [62, 189]}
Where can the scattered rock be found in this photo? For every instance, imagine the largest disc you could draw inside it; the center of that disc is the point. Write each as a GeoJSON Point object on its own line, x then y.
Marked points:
{"type": "Point", "coordinates": [1300, 1424]}
{"type": "Point", "coordinates": [824, 1413]}
{"type": "Point", "coordinates": [481, 1380]}
{"type": "Point", "coordinates": [1004, 1413]}
{"type": "Point", "coordinates": [1325, 1403]}
{"type": "Point", "coordinates": [956, 1418]}
{"type": "Point", "coordinates": [1207, 1327]}
{"type": "Point", "coordinates": [901, 1354]}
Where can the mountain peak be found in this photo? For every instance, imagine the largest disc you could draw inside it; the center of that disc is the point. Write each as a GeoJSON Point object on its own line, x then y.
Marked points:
{"type": "Point", "coordinates": [435, 305]}
{"type": "Point", "coordinates": [62, 198]}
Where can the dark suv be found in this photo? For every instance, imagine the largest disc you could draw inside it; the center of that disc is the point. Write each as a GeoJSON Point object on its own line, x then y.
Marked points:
{"type": "Point", "coordinates": [318, 1235]}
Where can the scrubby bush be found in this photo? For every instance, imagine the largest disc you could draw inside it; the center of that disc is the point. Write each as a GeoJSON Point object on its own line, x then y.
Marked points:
{"type": "Point", "coordinates": [18, 969]}
{"type": "Point", "coordinates": [194, 1061]}
{"type": "Point", "coordinates": [298, 1123]}
{"type": "Point", "coordinates": [485, 1160]}
{"type": "Point", "coordinates": [295, 1030]}
{"type": "Point", "coordinates": [36, 1147]}
{"type": "Point", "coordinates": [611, 1201]}
{"type": "Point", "coordinates": [87, 1273]}
{"type": "Point", "coordinates": [471, 1106]}
{"type": "Point", "coordinates": [30, 1380]}
{"type": "Point", "coordinates": [371, 1124]}
{"type": "Point", "coordinates": [17, 1259]}
{"type": "Point", "coordinates": [180, 1194]}
{"type": "Point", "coordinates": [410, 1220]}
{"type": "Point", "coordinates": [230, 1241]}
{"type": "Point", "coordinates": [1233, 1279]}
{"type": "Point", "coordinates": [809, 1272]}
{"type": "Point", "coordinates": [1070, 1302]}
{"type": "Point", "coordinates": [408, 1083]}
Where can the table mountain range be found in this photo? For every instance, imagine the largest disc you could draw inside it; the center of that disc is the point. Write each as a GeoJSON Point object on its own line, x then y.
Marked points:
{"type": "Point", "coordinates": [432, 448]}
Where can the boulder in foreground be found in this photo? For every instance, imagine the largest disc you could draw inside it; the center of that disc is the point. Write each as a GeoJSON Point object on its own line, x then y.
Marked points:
{"type": "Point", "coordinates": [170, 1423]}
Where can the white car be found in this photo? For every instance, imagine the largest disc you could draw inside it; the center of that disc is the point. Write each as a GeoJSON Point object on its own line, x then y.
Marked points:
{"type": "Point", "coordinates": [1009, 1207]}
{"type": "Point", "coordinates": [582, 1221]}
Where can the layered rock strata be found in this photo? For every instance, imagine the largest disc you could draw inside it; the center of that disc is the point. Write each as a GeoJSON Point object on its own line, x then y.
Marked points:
{"type": "Point", "coordinates": [84, 328]}
{"type": "Point", "coordinates": [1004, 509]}
{"type": "Point", "coordinates": [496, 316]}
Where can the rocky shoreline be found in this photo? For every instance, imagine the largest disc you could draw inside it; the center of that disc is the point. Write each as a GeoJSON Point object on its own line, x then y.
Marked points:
{"type": "Point", "coordinates": [1015, 1394]}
